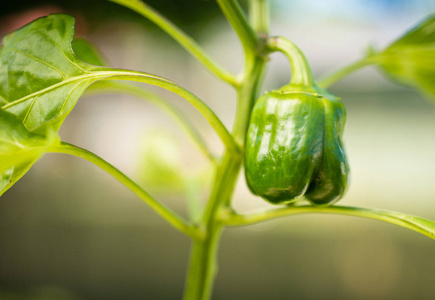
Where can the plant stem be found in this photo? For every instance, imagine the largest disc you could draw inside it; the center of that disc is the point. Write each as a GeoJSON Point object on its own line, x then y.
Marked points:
{"type": "Point", "coordinates": [159, 207]}
{"type": "Point", "coordinates": [203, 257]}
{"type": "Point", "coordinates": [182, 38]}
{"type": "Point", "coordinates": [165, 106]}
{"type": "Point", "coordinates": [203, 261]}
{"type": "Point", "coordinates": [418, 224]}
{"type": "Point", "coordinates": [329, 80]}
{"type": "Point", "coordinates": [236, 17]}
{"type": "Point", "coordinates": [259, 16]}
{"type": "Point", "coordinates": [301, 70]}
{"type": "Point", "coordinates": [215, 122]}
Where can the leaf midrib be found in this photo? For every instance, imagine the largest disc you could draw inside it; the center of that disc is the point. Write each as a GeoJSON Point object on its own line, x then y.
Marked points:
{"type": "Point", "coordinates": [95, 75]}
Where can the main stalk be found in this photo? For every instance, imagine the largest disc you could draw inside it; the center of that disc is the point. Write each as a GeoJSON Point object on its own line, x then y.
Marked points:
{"type": "Point", "coordinates": [203, 260]}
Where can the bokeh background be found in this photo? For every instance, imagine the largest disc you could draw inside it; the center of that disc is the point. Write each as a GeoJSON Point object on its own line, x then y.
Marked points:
{"type": "Point", "coordinates": [70, 232]}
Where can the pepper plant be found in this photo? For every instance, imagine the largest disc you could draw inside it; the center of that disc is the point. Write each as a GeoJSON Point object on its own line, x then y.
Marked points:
{"type": "Point", "coordinates": [290, 139]}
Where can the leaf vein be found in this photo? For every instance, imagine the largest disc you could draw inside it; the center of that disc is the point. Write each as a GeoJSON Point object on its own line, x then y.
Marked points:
{"type": "Point", "coordinates": [67, 98]}
{"type": "Point", "coordinates": [30, 108]}
{"type": "Point", "coordinates": [15, 142]}
{"type": "Point", "coordinates": [61, 51]}
{"type": "Point", "coordinates": [40, 61]}
{"type": "Point", "coordinates": [94, 75]}
{"type": "Point", "coordinates": [52, 87]}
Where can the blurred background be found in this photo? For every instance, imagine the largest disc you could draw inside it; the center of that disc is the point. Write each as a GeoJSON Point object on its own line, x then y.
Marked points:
{"type": "Point", "coordinates": [68, 231]}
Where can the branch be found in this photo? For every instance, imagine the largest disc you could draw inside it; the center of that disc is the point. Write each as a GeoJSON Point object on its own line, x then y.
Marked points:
{"type": "Point", "coordinates": [423, 226]}
{"type": "Point", "coordinates": [330, 79]}
{"type": "Point", "coordinates": [259, 16]}
{"type": "Point", "coordinates": [215, 122]}
{"type": "Point", "coordinates": [178, 35]}
{"type": "Point", "coordinates": [170, 216]}
{"type": "Point", "coordinates": [172, 111]}
{"type": "Point", "coordinates": [301, 70]}
{"type": "Point", "coordinates": [237, 18]}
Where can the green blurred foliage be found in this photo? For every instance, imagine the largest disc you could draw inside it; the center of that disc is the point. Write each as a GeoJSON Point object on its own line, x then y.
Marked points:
{"type": "Point", "coordinates": [159, 163]}
{"type": "Point", "coordinates": [161, 170]}
{"type": "Point", "coordinates": [411, 59]}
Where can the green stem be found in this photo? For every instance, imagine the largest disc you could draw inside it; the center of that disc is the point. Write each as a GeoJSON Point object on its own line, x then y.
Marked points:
{"type": "Point", "coordinates": [215, 122]}
{"type": "Point", "coordinates": [301, 70]}
{"type": "Point", "coordinates": [182, 38]}
{"type": "Point", "coordinates": [417, 224]}
{"type": "Point", "coordinates": [159, 207]}
{"type": "Point", "coordinates": [236, 17]}
{"type": "Point", "coordinates": [172, 111]}
{"type": "Point", "coordinates": [329, 80]}
{"type": "Point", "coordinates": [116, 74]}
{"type": "Point", "coordinates": [259, 16]}
{"type": "Point", "coordinates": [203, 261]}
{"type": "Point", "coordinates": [247, 95]}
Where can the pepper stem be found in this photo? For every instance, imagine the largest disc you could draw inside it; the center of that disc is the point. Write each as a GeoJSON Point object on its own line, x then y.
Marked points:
{"type": "Point", "coordinates": [301, 70]}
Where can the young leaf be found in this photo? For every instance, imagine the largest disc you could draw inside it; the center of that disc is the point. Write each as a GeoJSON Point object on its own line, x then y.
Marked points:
{"type": "Point", "coordinates": [40, 77]}
{"type": "Point", "coordinates": [411, 59]}
{"type": "Point", "coordinates": [88, 52]}
{"type": "Point", "coordinates": [19, 149]}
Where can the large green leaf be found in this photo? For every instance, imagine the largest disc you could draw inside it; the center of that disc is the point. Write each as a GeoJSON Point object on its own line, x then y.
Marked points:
{"type": "Point", "coordinates": [40, 85]}
{"type": "Point", "coordinates": [19, 149]}
{"type": "Point", "coordinates": [40, 77]}
{"type": "Point", "coordinates": [41, 80]}
{"type": "Point", "coordinates": [411, 59]}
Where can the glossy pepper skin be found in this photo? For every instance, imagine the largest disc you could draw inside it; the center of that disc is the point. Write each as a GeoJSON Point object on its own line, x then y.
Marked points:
{"type": "Point", "coordinates": [294, 147]}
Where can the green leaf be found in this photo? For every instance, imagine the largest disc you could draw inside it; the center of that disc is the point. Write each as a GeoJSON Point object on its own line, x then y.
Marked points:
{"type": "Point", "coordinates": [88, 52]}
{"type": "Point", "coordinates": [40, 77]}
{"type": "Point", "coordinates": [19, 149]}
{"type": "Point", "coordinates": [411, 59]}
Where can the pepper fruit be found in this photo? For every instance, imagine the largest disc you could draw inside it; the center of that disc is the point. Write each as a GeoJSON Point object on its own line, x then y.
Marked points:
{"type": "Point", "coordinates": [294, 147]}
